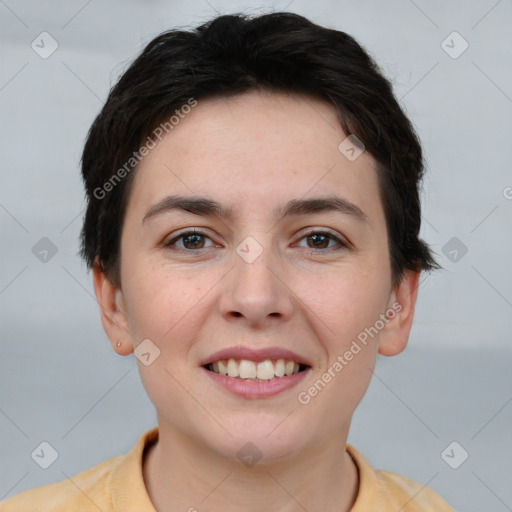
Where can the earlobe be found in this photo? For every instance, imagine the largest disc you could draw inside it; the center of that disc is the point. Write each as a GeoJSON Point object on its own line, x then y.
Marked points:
{"type": "Point", "coordinates": [394, 337]}
{"type": "Point", "coordinates": [113, 312]}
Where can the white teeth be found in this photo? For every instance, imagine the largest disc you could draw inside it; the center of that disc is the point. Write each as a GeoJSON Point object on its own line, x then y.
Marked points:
{"type": "Point", "coordinates": [247, 369]}
{"type": "Point", "coordinates": [222, 368]}
{"type": "Point", "coordinates": [264, 370]}
{"type": "Point", "coordinates": [279, 369]}
{"type": "Point", "coordinates": [232, 368]}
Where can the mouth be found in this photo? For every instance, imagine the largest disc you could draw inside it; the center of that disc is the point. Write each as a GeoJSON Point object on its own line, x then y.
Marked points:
{"type": "Point", "coordinates": [246, 369]}
{"type": "Point", "coordinates": [256, 373]}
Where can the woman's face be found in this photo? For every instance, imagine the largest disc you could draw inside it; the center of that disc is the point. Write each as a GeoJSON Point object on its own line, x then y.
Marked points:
{"type": "Point", "coordinates": [270, 270]}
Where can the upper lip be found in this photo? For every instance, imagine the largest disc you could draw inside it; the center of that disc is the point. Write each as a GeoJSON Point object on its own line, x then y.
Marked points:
{"type": "Point", "coordinates": [256, 355]}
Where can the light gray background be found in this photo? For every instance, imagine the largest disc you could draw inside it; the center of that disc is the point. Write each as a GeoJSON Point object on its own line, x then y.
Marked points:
{"type": "Point", "coordinates": [59, 379]}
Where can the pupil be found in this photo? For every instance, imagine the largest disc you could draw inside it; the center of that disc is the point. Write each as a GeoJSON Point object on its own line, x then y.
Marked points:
{"type": "Point", "coordinates": [193, 240]}
{"type": "Point", "coordinates": [318, 239]}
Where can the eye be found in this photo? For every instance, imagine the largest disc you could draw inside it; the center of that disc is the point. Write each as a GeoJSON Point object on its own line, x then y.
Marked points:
{"type": "Point", "coordinates": [319, 240]}
{"type": "Point", "coordinates": [190, 241]}
{"type": "Point", "coordinates": [194, 240]}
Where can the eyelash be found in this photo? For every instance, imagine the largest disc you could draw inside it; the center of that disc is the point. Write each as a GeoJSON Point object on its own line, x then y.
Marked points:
{"type": "Point", "coordinates": [342, 243]}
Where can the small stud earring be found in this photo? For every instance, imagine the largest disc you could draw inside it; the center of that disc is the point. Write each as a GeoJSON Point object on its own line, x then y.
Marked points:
{"type": "Point", "coordinates": [118, 344]}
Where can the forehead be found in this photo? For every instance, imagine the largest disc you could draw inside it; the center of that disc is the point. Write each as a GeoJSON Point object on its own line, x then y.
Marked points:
{"type": "Point", "coordinates": [255, 148]}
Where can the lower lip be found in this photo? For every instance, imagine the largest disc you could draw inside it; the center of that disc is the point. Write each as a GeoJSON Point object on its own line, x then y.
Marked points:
{"type": "Point", "coordinates": [257, 389]}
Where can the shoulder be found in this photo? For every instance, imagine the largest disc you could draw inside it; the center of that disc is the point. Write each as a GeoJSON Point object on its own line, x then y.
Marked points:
{"type": "Point", "coordinates": [83, 492]}
{"type": "Point", "coordinates": [387, 491]}
{"type": "Point", "coordinates": [410, 495]}
{"type": "Point", "coordinates": [115, 484]}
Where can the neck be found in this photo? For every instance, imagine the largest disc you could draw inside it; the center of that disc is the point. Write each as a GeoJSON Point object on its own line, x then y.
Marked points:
{"type": "Point", "coordinates": [181, 476]}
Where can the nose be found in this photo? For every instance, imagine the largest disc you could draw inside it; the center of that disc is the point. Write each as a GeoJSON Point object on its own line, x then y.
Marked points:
{"type": "Point", "coordinates": [256, 291]}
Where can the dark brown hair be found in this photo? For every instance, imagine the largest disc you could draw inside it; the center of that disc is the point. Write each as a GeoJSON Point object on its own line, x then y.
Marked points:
{"type": "Point", "coordinates": [229, 55]}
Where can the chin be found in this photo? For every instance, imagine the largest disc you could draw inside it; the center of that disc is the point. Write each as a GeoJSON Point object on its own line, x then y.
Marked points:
{"type": "Point", "coordinates": [264, 440]}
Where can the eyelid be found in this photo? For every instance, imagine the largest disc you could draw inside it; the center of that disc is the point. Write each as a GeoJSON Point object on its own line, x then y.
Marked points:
{"type": "Point", "coordinates": [172, 239]}
{"type": "Point", "coordinates": [340, 239]}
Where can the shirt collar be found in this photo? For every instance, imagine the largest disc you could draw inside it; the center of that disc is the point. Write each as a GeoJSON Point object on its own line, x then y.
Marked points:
{"type": "Point", "coordinates": [368, 483]}
{"type": "Point", "coordinates": [127, 485]}
{"type": "Point", "coordinates": [129, 492]}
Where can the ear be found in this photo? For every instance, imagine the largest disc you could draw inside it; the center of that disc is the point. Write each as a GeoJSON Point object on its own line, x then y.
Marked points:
{"type": "Point", "coordinates": [400, 314]}
{"type": "Point", "coordinates": [113, 311]}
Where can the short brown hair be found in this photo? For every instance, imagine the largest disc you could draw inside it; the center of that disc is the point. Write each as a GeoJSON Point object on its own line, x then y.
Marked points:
{"type": "Point", "coordinates": [232, 54]}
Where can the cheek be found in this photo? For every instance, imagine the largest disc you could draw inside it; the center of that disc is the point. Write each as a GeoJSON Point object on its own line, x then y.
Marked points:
{"type": "Point", "coordinates": [344, 311]}
{"type": "Point", "coordinates": [348, 301]}
{"type": "Point", "coordinates": [165, 306]}
{"type": "Point", "coordinates": [354, 305]}
{"type": "Point", "coordinates": [164, 303]}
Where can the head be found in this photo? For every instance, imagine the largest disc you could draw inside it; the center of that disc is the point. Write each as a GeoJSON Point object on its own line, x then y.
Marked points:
{"type": "Point", "coordinates": [239, 130]}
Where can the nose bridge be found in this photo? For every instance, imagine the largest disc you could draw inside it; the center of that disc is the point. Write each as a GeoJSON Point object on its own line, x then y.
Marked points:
{"type": "Point", "coordinates": [256, 289]}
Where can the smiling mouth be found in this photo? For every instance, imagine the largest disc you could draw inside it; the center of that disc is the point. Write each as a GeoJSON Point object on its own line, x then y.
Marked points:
{"type": "Point", "coordinates": [244, 369]}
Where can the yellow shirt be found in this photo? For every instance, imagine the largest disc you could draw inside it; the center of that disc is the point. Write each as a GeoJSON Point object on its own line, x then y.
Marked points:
{"type": "Point", "coordinates": [117, 485]}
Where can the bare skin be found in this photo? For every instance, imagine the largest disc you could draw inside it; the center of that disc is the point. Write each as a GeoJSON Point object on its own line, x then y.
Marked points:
{"type": "Point", "coordinates": [254, 153]}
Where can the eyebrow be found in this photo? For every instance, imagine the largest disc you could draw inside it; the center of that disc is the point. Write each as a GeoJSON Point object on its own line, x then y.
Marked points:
{"type": "Point", "coordinates": [208, 207]}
